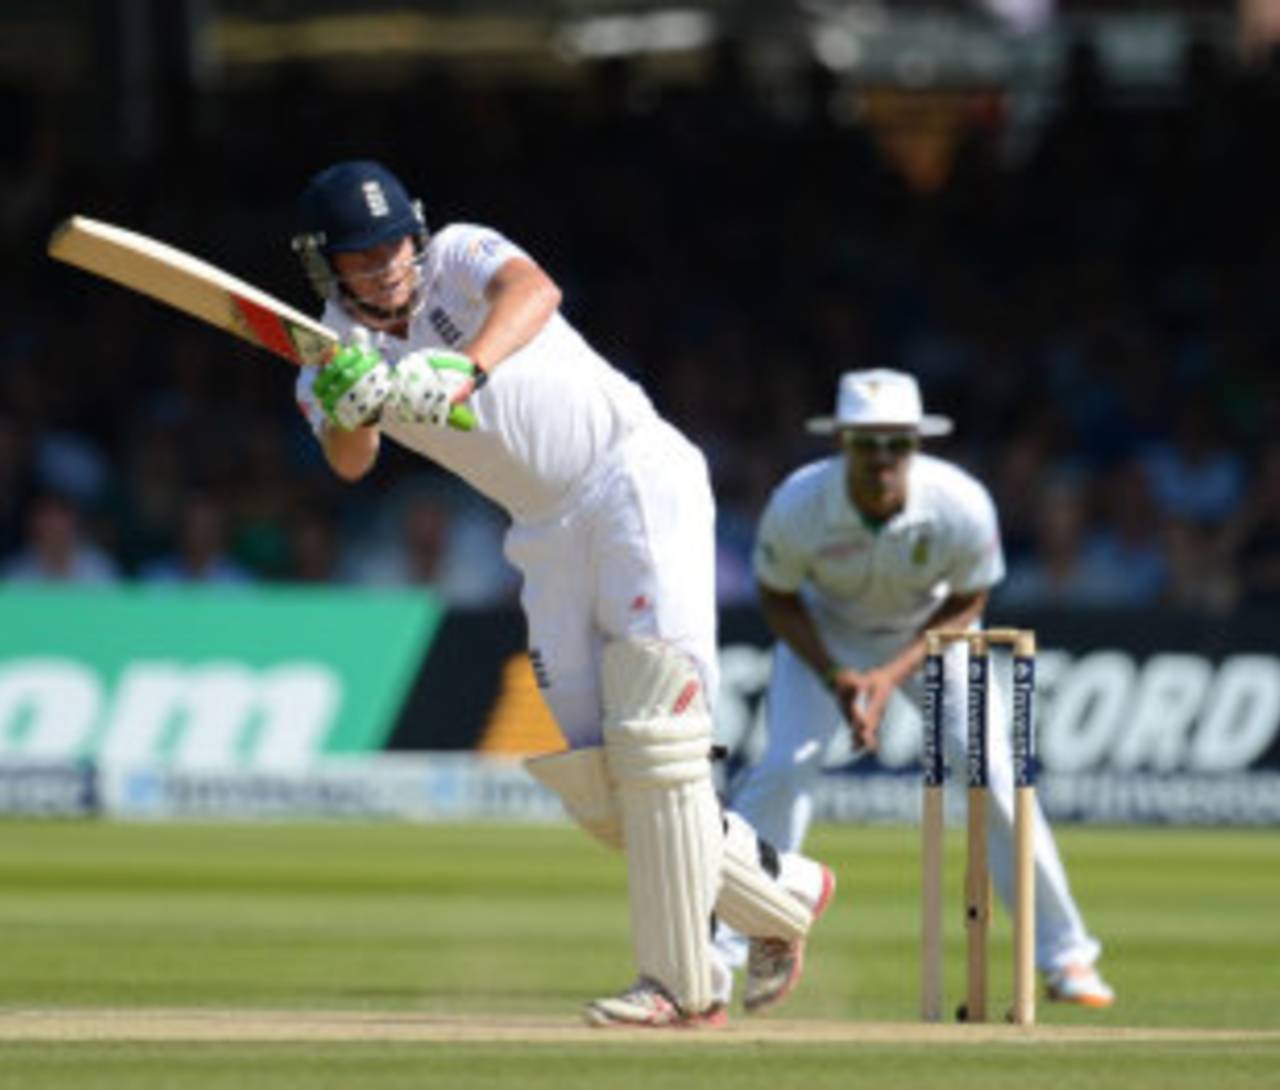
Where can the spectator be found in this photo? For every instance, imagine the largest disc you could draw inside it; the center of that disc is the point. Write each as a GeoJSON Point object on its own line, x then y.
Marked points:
{"type": "Point", "coordinates": [315, 548]}
{"type": "Point", "coordinates": [1248, 546]}
{"type": "Point", "coordinates": [1062, 570]}
{"type": "Point", "coordinates": [1194, 474]}
{"type": "Point", "coordinates": [56, 550]}
{"type": "Point", "coordinates": [452, 546]}
{"type": "Point", "coordinates": [1128, 552]}
{"type": "Point", "coordinates": [1196, 581]}
{"type": "Point", "coordinates": [201, 556]}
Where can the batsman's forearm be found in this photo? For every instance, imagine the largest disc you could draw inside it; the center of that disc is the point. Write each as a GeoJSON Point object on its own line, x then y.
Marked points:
{"type": "Point", "coordinates": [523, 299]}
{"type": "Point", "coordinates": [788, 618]}
{"type": "Point", "coordinates": [351, 454]}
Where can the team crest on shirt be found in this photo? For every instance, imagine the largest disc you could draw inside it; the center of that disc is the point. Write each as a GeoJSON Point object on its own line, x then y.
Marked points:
{"type": "Point", "coordinates": [444, 326]}
{"type": "Point", "coordinates": [837, 550]}
{"type": "Point", "coordinates": [485, 246]}
{"type": "Point", "coordinates": [920, 552]}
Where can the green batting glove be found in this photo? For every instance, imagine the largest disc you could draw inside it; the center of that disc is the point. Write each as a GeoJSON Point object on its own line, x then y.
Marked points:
{"type": "Point", "coordinates": [352, 386]}
{"type": "Point", "coordinates": [431, 386]}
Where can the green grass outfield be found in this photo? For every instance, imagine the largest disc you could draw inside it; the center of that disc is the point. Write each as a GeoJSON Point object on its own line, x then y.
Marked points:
{"type": "Point", "coordinates": [373, 957]}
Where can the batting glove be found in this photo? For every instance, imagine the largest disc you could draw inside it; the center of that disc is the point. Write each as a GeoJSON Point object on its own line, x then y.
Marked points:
{"type": "Point", "coordinates": [428, 387]}
{"type": "Point", "coordinates": [352, 386]}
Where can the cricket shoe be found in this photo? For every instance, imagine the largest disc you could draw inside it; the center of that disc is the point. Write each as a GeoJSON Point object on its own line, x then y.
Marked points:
{"type": "Point", "coordinates": [1081, 985]}
{"type": "Point", "coordinates": [646, 1005]}
{"type": "Point", "coordinates": [774, 965]}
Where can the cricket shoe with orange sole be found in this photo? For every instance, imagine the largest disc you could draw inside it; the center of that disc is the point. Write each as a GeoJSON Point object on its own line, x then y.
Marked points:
{"type": "Point", "coordinates": [774, 966]}
{"type": "Point", "coordinates": [1081, 985]}
{"type": "Point", "coordinates": [647, 1005]}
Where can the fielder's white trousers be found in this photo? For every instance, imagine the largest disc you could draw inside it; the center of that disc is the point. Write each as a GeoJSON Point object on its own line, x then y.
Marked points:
{"type": "Point", "coordinates": [776, 794]}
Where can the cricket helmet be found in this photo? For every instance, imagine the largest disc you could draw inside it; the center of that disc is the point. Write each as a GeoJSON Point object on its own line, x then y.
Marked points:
{"type": "Point", "coordinates": [350, 206]}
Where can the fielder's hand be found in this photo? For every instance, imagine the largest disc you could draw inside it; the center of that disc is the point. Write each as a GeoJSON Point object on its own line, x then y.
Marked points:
{"type": "Point", "coordinates": [869, 706]}
{"type": "Point", "coordinates": [429, 387]}
{"type": "Point", "coordinates": [352, 386]}
{"type": "Point", "coordinates": [862, 698]}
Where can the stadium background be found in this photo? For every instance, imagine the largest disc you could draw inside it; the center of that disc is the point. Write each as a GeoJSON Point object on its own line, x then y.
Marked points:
{"type": "Point", "coordinates": [1061, 219]}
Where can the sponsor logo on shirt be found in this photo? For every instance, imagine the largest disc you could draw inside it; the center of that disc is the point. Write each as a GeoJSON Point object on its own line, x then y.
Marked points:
{"type": "Point", "coordinates": [836, 550]}
{"type": "Point", "coordinates": [443, 325]}
{"type": "Point", "coordinates": [540, 672]}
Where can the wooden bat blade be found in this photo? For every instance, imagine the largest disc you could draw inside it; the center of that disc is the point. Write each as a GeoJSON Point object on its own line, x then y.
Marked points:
{"type": "Point", "coordinates": [193, 286]}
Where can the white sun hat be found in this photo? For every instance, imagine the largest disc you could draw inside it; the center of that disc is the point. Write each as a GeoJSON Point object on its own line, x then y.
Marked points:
{"type": "Point", "coordinates": [879, 399]}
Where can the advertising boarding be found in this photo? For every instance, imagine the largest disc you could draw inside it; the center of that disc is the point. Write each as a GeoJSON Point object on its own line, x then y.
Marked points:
{"type": "Point", "coordinates": [292, 703]}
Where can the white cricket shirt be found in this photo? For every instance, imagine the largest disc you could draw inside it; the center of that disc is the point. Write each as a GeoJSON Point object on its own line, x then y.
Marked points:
{"type": "Point", "coordinates": [550, 412]}
{"type": "Point", "coordinates": [858, 580]}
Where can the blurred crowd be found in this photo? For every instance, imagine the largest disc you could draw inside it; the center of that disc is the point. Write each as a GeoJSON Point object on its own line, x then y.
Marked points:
{"type": "Point", "coordinates": [1095, 306]}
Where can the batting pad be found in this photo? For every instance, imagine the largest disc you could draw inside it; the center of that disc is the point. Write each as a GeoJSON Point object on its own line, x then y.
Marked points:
{"type": "Point", "coordinates": [657, 736]}
{"type": "Point", "coordinates": [752, 900]}
{"type": "Point", "coordinates": [580, 778]}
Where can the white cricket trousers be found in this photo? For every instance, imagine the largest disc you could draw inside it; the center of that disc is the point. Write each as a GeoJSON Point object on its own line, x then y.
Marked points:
{"type": "Point", "coordinates": [630, 553]}
{"type": "Point", "coordinates": [776, 795]}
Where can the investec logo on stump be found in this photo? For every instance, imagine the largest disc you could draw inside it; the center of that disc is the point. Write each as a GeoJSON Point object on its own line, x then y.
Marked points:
{"type": "Point", "coordinates": [210, 715]}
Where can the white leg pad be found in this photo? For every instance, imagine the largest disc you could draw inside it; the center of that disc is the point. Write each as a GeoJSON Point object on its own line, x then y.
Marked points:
{"type": "Point", "coordinates": [581, 779]}
{"type": "Point", "coordinates": [657, 736]}
{"type": "Point", "coordinates": [752, 900]}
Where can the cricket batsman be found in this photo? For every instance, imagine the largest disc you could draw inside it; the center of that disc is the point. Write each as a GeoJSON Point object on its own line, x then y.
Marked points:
{"type": "Point", "coordinates": [455, 348]}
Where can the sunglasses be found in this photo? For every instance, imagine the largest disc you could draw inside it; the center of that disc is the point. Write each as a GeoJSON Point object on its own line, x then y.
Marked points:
{"type": "Point", "coordinates": [895, 444]}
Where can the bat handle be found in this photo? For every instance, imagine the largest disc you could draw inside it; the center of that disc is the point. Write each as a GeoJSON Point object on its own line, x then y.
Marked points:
{"type": "Point", "coordinates": [462, 418]}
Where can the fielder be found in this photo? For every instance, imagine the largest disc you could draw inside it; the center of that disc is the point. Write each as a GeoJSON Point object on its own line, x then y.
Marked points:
{"type": "Point", "coordinates": [855, 558]}
{"type": "Point", "coordinates": [456, 349]}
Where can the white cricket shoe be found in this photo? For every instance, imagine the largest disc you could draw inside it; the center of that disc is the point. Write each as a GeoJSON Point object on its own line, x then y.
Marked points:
{"type": "Point", "coordinates": [646, 1005]}
{"type": "Point", "coordinates": [774, 965]}
{"type": "Point", "coordinates": [1079, 984]}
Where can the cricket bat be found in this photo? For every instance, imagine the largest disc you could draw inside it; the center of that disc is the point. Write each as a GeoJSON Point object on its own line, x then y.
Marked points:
{"type": "Point", "coordinates": [193, 286]}
{"type": "Point", "coordinates": [197, 288]}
